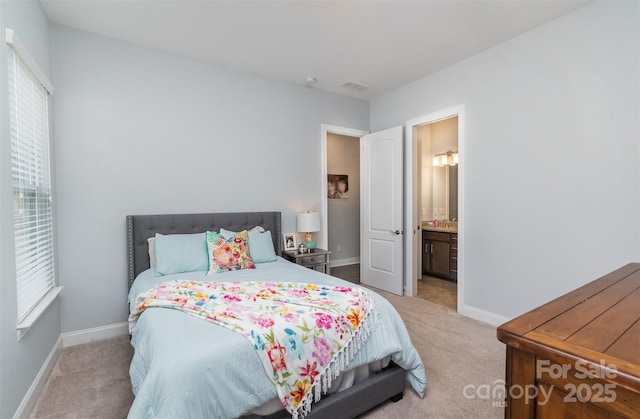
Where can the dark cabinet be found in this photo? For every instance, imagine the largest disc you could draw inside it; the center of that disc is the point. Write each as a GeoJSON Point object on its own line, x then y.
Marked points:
{"type": "Point", "coordinates": [453, 257]}
{"type": "Point", "coordinates": [440, 254]}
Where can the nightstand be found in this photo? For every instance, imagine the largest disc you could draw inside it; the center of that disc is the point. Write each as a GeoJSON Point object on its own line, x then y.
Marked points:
{"type": "Point", "coordinates": [318, 259]}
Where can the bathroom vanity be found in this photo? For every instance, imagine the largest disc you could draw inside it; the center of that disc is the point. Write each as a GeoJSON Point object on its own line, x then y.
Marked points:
{"type": "Point", "coordinates": [440, 252]}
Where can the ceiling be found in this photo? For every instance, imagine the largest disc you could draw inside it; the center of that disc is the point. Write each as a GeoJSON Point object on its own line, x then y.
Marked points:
{"type": "Point", "coordinates": [381, 44]}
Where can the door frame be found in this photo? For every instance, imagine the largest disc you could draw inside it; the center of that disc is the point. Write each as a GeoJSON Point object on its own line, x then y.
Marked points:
{"type": "Point", "coordinates": [327, 129]}
{"type": "Point", "coordinates": [412, 241]}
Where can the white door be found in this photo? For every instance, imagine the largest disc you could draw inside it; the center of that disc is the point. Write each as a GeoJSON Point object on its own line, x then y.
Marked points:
{"type": "Point", "coordinates": [381, 236]}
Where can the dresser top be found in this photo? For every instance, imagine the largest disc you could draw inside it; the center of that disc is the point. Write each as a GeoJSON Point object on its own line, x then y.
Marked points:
{"type": "Point", "coordinates": [598, 322]}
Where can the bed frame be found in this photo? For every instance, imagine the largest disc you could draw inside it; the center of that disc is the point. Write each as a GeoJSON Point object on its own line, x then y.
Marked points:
{"type": "Point", "coordinates": [388, 384]}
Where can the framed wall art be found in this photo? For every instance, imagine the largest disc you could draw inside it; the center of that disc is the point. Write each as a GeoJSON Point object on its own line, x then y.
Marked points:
{"type": "Point", "coordinates": [337, 186]}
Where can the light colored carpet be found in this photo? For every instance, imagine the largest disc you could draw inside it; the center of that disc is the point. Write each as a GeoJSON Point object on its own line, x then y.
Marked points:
{"type": "Point", "coordinates": [457, 351]}
{"type": "Point", "coordinates": [89, 381]}
{"type": "Point", "coordinates": [92, 380]}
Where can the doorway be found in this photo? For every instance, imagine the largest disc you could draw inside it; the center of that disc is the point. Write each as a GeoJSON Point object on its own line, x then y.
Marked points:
{"type": "Point", "coordinates": [341, 213]}
{"type": "Point", "coordinates": [343, 200]}
{"type": "Point", "coordinates": [437, 201]}
{"type": "Point", "coordinates": [414, 217]}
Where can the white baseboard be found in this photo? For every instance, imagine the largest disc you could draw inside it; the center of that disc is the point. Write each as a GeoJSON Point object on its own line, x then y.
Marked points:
{"type": "Point", "coordinates": [97, 333]}
{"type": "Point", "coordinates": [483, 315]}
{"type": "Point", "coordinates": [30, 399]}
{"type": "Point", "coordinates": [344, 262]}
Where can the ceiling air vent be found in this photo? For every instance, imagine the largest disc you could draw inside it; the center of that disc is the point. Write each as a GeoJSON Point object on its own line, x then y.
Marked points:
{"type": "Point", "coordinates": [352, 85]}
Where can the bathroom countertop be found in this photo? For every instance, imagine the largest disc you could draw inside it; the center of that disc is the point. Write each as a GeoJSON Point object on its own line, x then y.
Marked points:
{"type": "Point", "coordinates": [427, 227]}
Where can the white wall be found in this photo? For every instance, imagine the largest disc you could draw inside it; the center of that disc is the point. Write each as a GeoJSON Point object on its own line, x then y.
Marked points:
{"type": "Point", "coordinates": [20, 362]}
{"type": "Point", "coordinates": [142, 131]}
{"type": "Point", "coordinates": [552, 155]}
{"type": "Point", "coordinates": [343, 158]}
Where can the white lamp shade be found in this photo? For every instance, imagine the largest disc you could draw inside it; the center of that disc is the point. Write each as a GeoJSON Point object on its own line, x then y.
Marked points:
{"type": "Point", "coordinates": [308, 222]}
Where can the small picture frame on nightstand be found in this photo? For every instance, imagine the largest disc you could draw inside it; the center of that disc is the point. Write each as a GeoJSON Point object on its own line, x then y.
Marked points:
{"type": "Point", "coordinates": [289, 240]}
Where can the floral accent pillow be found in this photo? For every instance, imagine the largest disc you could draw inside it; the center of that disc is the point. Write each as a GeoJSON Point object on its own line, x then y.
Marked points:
{"type": "Point", "coordinates": [228, 254]}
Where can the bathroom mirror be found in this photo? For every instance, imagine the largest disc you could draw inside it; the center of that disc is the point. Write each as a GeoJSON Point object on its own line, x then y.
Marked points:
{"type": "Point", "coordinates": [445, 192]}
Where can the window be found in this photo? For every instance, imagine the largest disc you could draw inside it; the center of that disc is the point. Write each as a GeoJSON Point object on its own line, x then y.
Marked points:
{"type": "Point", "coordinates": [31, 180]}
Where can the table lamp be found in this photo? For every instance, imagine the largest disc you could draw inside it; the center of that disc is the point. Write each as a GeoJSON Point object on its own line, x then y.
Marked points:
{"type": "Point", "coordinates": [309, 222]}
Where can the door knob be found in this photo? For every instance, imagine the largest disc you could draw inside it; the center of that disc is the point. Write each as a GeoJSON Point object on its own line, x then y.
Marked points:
{"type": "Point", "coordinates": [397, 232]}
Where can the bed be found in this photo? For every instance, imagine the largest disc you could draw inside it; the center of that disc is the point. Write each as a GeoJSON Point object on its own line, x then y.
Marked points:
{"type": "Point", "coordinates": [186, 367]}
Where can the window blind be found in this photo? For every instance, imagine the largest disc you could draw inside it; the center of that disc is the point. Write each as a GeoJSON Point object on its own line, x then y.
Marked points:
{"type": "Point", "coordinates": [31, 180]}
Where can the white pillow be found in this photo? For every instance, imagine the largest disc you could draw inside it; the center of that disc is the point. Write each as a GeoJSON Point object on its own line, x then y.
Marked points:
{"type": "Point", "coordinates": [152, 251]}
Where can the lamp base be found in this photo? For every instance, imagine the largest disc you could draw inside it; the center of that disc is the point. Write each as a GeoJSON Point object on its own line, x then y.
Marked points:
{"type": "Point", "coordinates": [309, 242]}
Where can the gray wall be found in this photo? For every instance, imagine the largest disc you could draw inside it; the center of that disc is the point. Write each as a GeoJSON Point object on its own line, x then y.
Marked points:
{"type": "Point", "coordinates": [19, 361]}
{"type": "Point", "coordinates": [142, 131]}
{"type": "Point", "coordinates": [551, 159]}
{"type": "Point", "coordinates": [343, 158]}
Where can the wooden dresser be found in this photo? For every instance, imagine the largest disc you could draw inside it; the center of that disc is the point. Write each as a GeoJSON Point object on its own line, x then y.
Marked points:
{"type": "Point", "coordinates": [579, 355]}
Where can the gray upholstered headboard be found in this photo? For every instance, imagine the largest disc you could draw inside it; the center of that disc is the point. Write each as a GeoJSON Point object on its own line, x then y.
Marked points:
{"type": "Point", "coordinates": [141, 227]}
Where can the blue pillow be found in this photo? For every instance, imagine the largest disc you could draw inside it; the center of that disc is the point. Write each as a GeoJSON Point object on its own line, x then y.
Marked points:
{"type": "Point", "coordinates": [176, 253]}
{"type": "Point", "coordinates": [260, 245]}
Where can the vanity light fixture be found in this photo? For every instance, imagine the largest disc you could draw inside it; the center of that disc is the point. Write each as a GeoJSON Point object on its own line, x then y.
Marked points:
{"type": "Point", "coordinates": [450, 158]}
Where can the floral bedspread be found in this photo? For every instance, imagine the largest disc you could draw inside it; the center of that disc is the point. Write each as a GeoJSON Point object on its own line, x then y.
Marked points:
{"type": "Point", "coordinates": [305, 334]}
